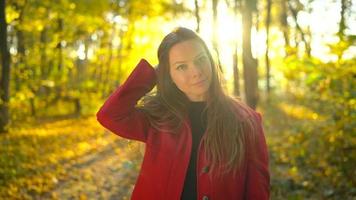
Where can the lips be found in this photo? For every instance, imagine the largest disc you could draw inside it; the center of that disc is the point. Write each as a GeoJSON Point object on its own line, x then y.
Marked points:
{"type": "Point", "coordinates": [200, 82]}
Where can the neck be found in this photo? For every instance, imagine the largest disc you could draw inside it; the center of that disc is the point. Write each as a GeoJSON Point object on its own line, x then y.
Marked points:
{"type": "Point", "coordinates": [199, 98]}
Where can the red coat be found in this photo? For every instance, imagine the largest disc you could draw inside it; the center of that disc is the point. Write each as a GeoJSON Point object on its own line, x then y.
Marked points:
{"type": "Point", "coordinates": [167, 155]}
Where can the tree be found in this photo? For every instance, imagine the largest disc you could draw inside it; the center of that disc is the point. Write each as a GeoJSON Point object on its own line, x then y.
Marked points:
{"type": "Point", "coordinates": [215, 33]}
{"type": "Point", "coordinates": [342, 24]}
{"type": "Point", "coordinates": [235, 66]}
{"type": "Point", "coordinates": [284, 26]}
{"type": "Point", "coordinates": [268, 22]}
{"type": "Point", "coordinates": [294, 12]}
{"type": "Point", "coordinates": [249, 62]}
{"type": "Point", "coordinates": [20, 65]}
{"type": "Point", "coordinates": [5, 72]}
{"type": "Point", "coordinates": [197, 15]}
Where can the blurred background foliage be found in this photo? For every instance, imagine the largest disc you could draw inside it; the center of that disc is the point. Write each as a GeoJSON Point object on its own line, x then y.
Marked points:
{"type": "Point", "coordinates": [292, 60]}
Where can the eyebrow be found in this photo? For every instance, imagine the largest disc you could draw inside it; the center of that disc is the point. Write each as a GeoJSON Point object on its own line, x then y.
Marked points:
{"type": "Point", "coordinates": [178, 62]}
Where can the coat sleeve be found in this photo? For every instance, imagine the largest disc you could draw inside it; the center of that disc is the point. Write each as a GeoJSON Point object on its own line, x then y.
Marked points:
{"type": "Point", "coordinates": [258, 176]}
{"type": "Point", "coordinates": [119, 114]}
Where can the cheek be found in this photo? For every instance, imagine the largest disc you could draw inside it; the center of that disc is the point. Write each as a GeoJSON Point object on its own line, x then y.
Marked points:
{"type": "Point", "coordinates": [209, 72]}
{"type": "Point", "coordinates": [178, 79]}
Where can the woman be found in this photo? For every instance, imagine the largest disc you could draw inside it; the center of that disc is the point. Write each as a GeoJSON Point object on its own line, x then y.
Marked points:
{"type": "Point", "coordinates": [200, 142]}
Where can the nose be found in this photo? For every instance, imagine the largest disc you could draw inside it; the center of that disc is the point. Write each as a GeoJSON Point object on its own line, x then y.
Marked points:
{"type": "Point", "coordinates": [196, 70]}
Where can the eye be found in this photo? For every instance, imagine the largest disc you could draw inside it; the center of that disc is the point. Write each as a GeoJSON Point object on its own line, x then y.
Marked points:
{"type": "Point", "coordinates": [202, 59]}
{"type": "Point", "coordinates": [181, 67]}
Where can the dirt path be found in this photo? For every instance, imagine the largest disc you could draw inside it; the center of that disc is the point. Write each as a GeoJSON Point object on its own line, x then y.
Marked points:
{"type": "Point", "coordinates": [108, 173]}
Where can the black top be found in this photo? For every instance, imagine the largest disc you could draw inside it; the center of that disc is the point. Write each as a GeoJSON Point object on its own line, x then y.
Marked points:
{"type": "Point", "coordinates": [198, 120]}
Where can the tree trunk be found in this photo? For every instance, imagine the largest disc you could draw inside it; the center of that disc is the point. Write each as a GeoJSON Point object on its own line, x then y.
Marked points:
{"type": "Point", "coordinates": [284, 27]}
{"type": "Point", "coordinates": [249, 63]}
{"type": "Point", "coordinates": [43, 54]}
{"type": "Point", "coordinates": [302, 34]}
{"type": "Point", "coordinates": [345, 4]}
{"type": "Point", "coordinates": [215, 33]}
{"type": "Point", "coordinates": [106, 82]}
{"type": "Point", "coordinates": [215, 22]}
{"type": "Point", "coordinates": [59, 46]}
{"type": "Point", "coordinates": [5, 72]}
{"type": "Point", "coordinates": [342, 25]}
{"type": "Point", "coordinates": [236, 74]}
{"type": "Point", "coordinates": [120, 56]}
{"type": "Point", "coordinates": [33, 106]}
{"type": "Point", "coordinates": [268, 22]}
{"type": "Point", "coordinates": [59, 72]}
{"type": "Point", "coordinates": [20, 65]}
{"type": "Point", "coordinates": [235, 58]}
{"type": "Point", "coordinates": [78, 106]}
{"type": "Point", "coordinates": [197, 15]}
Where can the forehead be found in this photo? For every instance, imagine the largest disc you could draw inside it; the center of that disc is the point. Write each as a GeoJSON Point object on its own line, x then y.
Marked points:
{"type": "Point", "coordinates": [185, 51]}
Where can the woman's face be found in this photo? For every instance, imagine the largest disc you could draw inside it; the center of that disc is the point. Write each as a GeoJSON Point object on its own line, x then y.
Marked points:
{"type": "Point", "coordinates": [190, 69]}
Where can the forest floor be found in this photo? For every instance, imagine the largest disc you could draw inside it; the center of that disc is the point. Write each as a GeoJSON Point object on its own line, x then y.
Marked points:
{"type": "Point", "coordinates": [76, 158]}
{"type": "Point", "coordinates": [67, 159]}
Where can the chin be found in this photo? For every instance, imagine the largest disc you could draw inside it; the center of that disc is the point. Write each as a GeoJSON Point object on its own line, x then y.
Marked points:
{"type": "Point", "coordinates": [201, 93]}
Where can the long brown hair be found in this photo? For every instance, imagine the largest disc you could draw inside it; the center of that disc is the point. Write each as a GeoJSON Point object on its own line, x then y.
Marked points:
{"type": "Point", "coordinates": [230, 124]}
